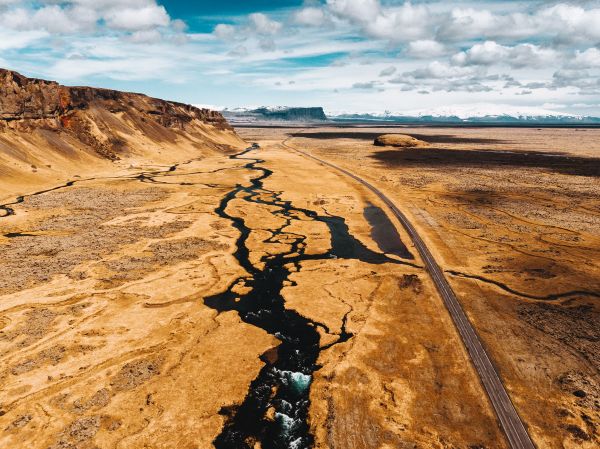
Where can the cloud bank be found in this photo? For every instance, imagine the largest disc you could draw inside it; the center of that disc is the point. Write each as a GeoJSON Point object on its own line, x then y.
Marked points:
{"type": "Point", "coordinates": [336, 52]}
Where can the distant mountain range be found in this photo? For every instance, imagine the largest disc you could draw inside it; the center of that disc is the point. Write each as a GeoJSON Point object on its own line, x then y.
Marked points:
{"type": "Point", "coordinates": [480, 114]}
{"type": "Point", "coordinates": [476, 114]}
{"type": "Point", "coordinates": [452, 119]}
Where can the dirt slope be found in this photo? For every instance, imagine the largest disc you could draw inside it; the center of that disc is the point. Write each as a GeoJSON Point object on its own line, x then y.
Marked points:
{"type": "Point", "coordinates": [50, 133]}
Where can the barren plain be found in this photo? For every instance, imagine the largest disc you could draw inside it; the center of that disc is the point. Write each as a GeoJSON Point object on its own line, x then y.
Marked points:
{"type": "Point", "coordinates": [512, 216]}
{"type": "Point", "coordinates": [263, 300]}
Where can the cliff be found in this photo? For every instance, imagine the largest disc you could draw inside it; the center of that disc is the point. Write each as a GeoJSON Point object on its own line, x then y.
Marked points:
{"type": "Point", "coordinates": [96, 116]}
{"type": "Point", "coordinates": [284, 113]}
{"type": "Point", "coordinates": [51, 133]}
{"type": "Point", "coordinates": [293, 114]}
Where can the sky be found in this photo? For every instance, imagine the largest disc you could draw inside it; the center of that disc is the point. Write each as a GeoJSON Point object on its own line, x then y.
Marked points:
{"type": "Point", "coordinates": [345, 55]}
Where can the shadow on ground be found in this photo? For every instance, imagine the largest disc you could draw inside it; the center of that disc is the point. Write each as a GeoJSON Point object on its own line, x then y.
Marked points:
{"type": "Point", "coordinates": [446, 158]}
{"type": "Point", "coordinates": [441, 138]}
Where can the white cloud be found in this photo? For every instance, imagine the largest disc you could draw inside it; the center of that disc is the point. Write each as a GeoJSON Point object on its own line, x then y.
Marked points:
{"type": "Point", "coordinates": [467, 23]}
{"type": "Point", "coordinates": [179, 25]}
{"type": "Point", "coordinates": [132, 68]}
{"type": "Point", "coordinates": [395, 24]}
{"type": "Point", "coordinates": [571, 22]}
{"type": "Point", "coordinates": [259, 28]}
{"type": "Point", "coordinates": [311, 47]}
{"type": "Point", "coordinates": [20, 39]}
{"type": "Point", "coordinates": [16, 19]}
{"type": "Point", "coordinates": [440, 70]}
{"type": "Point", "coordinates": [53, 19]}
{"type": "Point", "coordinates": [309, 16]}
{"type": "Point", "coordinates": [239, 52]}
{"type": "Point", "coordinates": [362, 11]}
{"type": "Point", "coordinates": [388, 71]}
{"type": "Point", "coordinates": [267, 44]}
{"type": "Point", "coordinates": [434, 20]}
{"type": "Point", "coordinates": [446, 48]}
{"type": "Point", "coordinates": [425, 49]}
{"type": "Point", "coordinates": [263, 25]}
{"type": "Point", "coordinates": [491, 53]}
{"type": "Point", "coordinates": [367, 85]}
{"type": "Point", "coordinates": [529, 55]}
{"type": "Point", "coordinates": [561, 23]}
{"type": "Point", "coordinates": [225, 31]}
{"type": "Point", "coordinates": [405, 23]}
{"type": "Point", "coordinates": [146, 37]}
{"type": "Point", "coordinates": [440, 76]}
{"type": "Point", "coordinates": [585, 81]}
{"type": "Point", "coordinates": [83, 16]}
{"type": "Point", "coordinates": [135, 19]}
{"type": "Point", "coordinates": [586, 59]}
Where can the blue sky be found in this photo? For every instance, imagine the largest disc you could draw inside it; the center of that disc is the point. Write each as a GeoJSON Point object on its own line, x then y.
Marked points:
{"type": "Point", "coordinates": [345, 55]}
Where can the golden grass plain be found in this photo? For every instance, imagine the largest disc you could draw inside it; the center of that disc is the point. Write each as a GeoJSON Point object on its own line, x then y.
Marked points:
{"type": "Point", "coordinates": [105, 341]}
{"type": "Point", "coordinates": [513, 217]}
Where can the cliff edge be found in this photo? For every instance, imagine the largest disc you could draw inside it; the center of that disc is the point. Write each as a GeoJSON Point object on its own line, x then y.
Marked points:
{"type": "Point", "coordinates": [27, 104]}
{"type": "Point", "coordinates": [54, 130]}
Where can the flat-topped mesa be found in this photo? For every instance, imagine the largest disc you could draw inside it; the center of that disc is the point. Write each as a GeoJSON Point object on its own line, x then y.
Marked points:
{"type": "Point", "coordinates": [109, 122]}
{"type": "Point", "coordinates": [23, 98]}
{"type": "Point", "coordinates": [276, 114]}
{"type": "Point", "coordinates": [292, 113]}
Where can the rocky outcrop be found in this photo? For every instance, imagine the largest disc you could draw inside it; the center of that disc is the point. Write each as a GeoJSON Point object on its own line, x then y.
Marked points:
{"type": "Point", "coordinates": [31, 98]}
{"type": "Point", "coordinates": [277, 114]}
{"type": "Point", "coordinates": [398, 140]}
{"type": "Point", "coordinates": [28, 104]}
{"type": "Point", "coordinates": [292, 114]}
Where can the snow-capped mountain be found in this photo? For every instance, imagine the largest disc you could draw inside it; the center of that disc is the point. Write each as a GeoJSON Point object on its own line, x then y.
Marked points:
{"type": "Point", "coordinates": [490, 110]}
{"type": "Point", "coordinates": [470, 113]}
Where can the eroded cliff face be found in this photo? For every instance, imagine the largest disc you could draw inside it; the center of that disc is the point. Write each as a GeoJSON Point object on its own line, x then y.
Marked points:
{"type": "Point", "coordinates": [23, 98]}
{"type": "Point", "coordinates": [29, 103]}
{"type": "Point", "coordinates": [277, 114]}
{"type": "Point", "coordinates": [45, 126]}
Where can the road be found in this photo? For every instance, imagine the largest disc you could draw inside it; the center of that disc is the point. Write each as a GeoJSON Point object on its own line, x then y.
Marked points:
{"type": "Point", "coordinates": [510, 421]}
